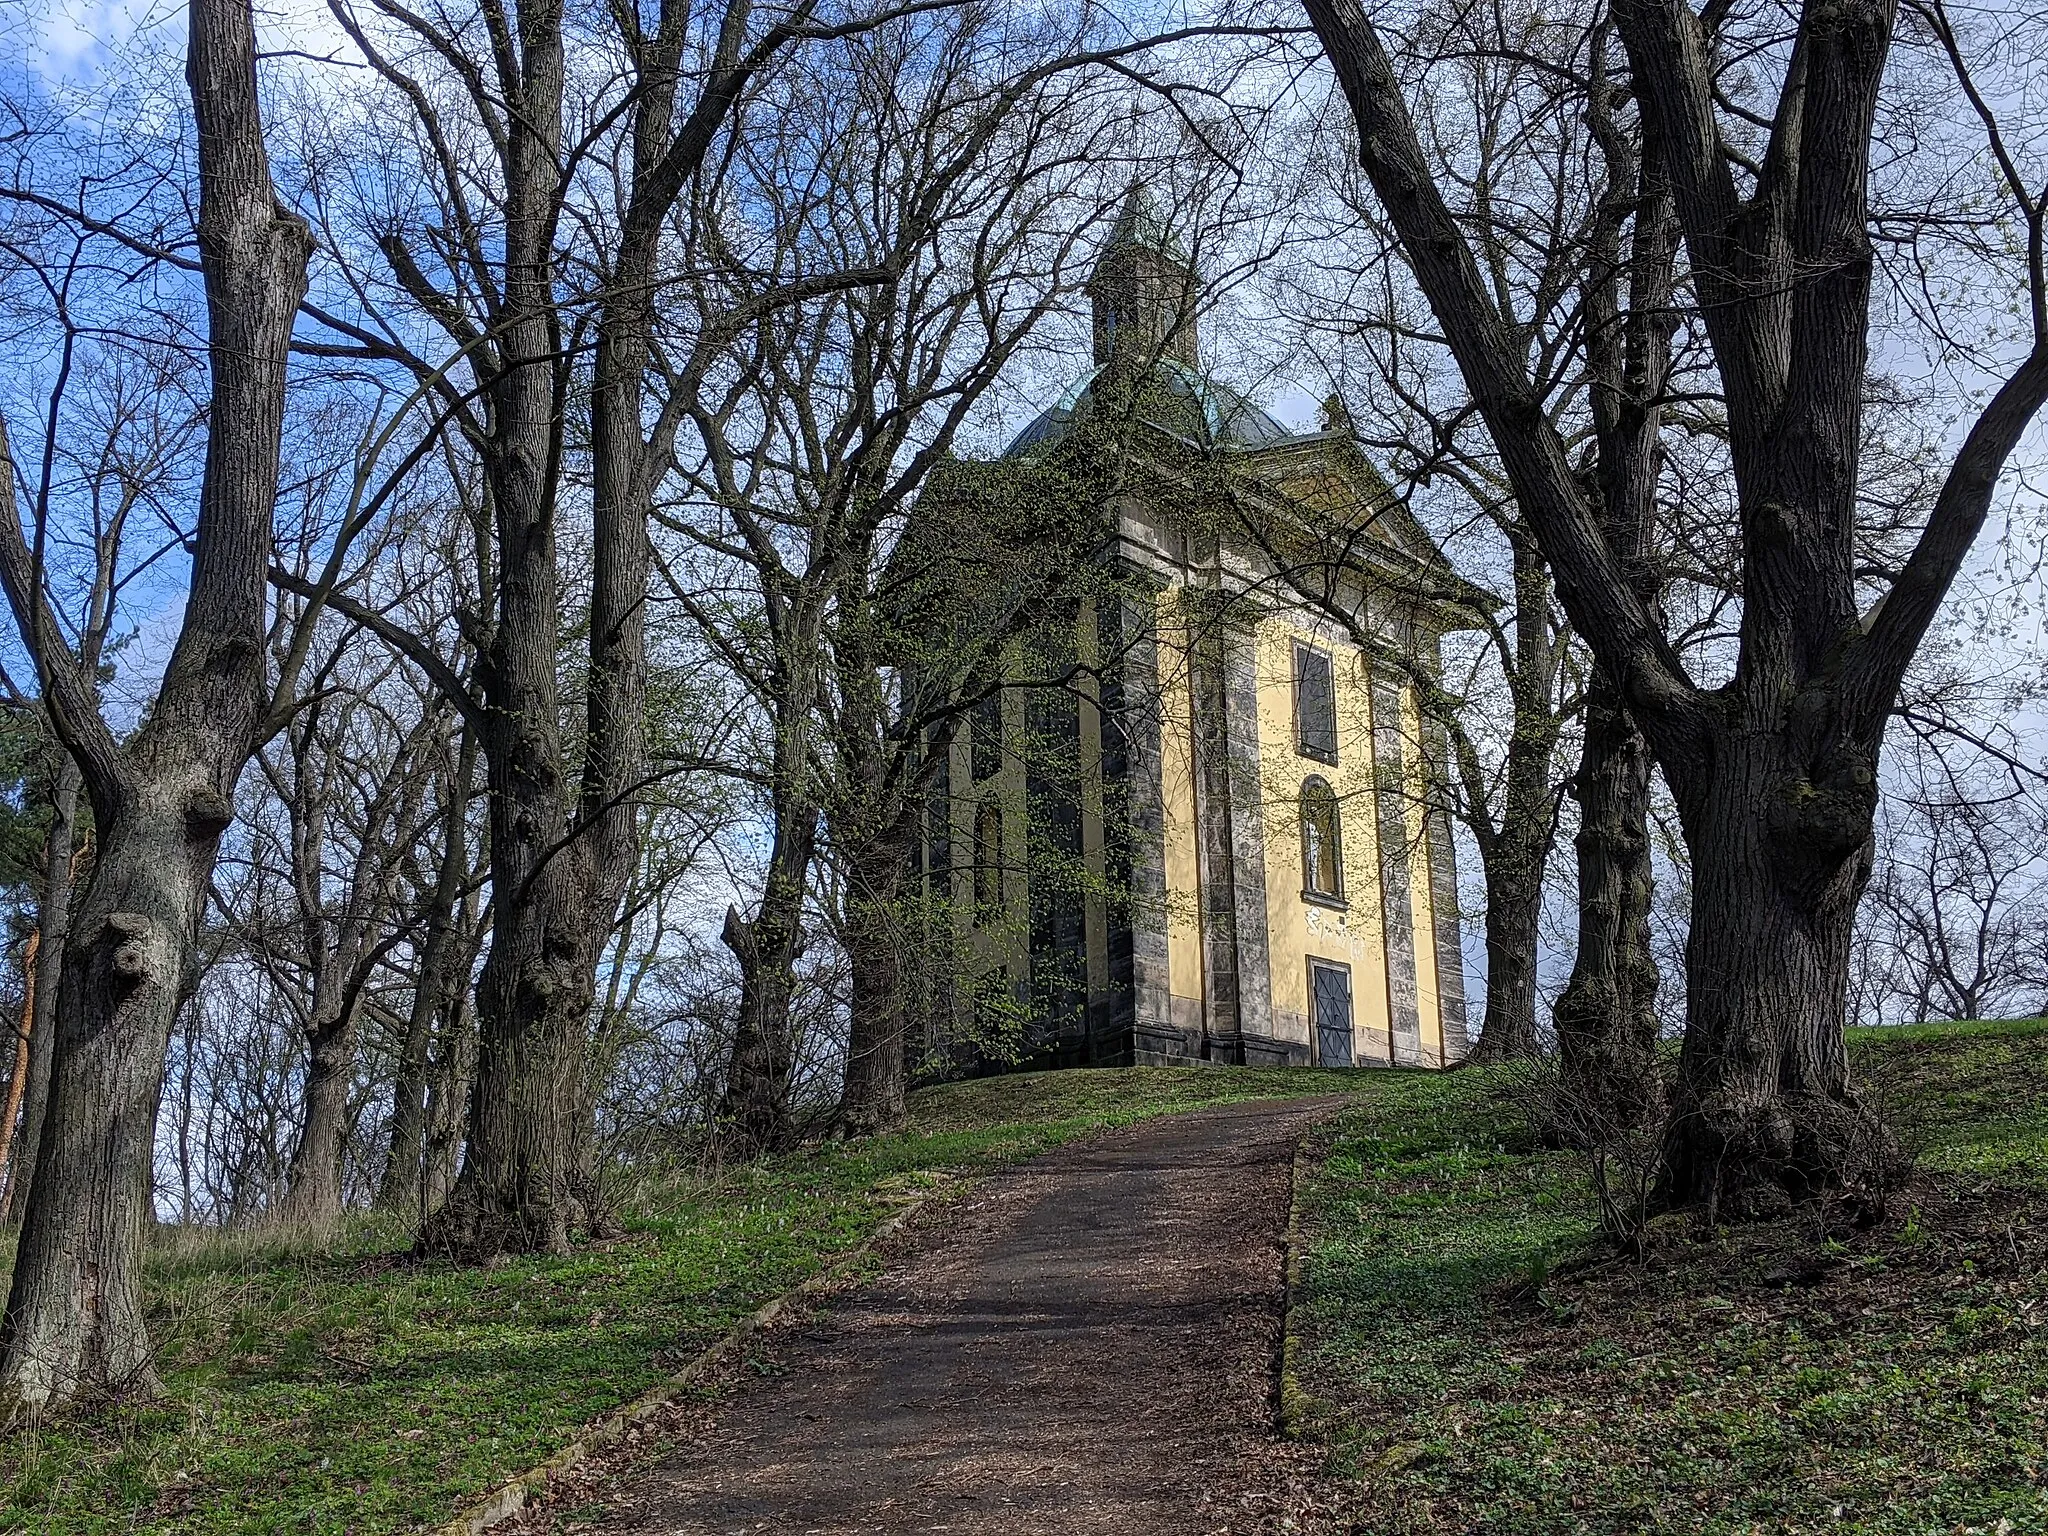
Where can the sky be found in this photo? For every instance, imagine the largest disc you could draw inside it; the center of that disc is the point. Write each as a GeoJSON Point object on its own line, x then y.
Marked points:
{"type": "Point", "coordinates": [73, 44]}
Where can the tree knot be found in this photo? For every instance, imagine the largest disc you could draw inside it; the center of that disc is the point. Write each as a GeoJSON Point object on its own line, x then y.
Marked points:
{"type": "Point", "coordinates": [207, 812]}
{"type": "Point", "coordinates": [134, 937]}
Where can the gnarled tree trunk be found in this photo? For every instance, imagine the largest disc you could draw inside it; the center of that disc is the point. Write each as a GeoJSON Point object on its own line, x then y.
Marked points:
{"type": "Point", "coordinates": [1763, 1109]}
{"type": "Point", "coordinates": [74, 1322]}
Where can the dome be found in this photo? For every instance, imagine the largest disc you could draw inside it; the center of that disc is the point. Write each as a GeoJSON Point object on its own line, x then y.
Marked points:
{"type": "Point", "coordinates": [1186, 403]}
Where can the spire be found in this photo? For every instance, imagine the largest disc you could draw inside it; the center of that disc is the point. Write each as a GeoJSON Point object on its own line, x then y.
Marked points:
{"type": "Point", "coordinates": [1144, 288]}
{"type": "Point", "coordinates": [1138, 224]}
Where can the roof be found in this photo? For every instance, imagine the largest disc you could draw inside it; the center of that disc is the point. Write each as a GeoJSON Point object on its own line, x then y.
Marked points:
{"type": "Point", "coordinates": [1188, 404]}
{"type": "Point", "coordinates": [1140, 226]}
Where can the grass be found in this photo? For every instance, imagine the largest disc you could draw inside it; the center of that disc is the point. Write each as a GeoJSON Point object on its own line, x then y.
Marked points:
{"type": "Point", "coordinates": [1472, 1360]}
{"type": "Point", "coordinates": [1476, 1362]}
{"type": "Point", "coordinates": [345, 1390]}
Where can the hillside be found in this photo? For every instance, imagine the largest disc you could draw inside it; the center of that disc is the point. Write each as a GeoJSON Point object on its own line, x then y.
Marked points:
{"type": "Point", "coordinates": [346, 1390]}
{"type": "Point", "coordinates": [1469, 1357]}
{"type": "Point", "coordinates": [1471, 1368]}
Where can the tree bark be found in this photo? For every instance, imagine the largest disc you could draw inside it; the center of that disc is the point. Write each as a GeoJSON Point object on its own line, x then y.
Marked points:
{"type": "Point", "coordinates": [1606, 1019]}
{"type": "Point", "coordinates": [53, 922]}
{"type": "Point", "coordinates": [399, 1188]}
{"type": "Point", "coordinates": [754, 1113]}
{"type": "Point", "coordinates": [312, 1199]}
{"type": "Point", "coordinates": [876, 1076]}
{"type": "Point", "coordinates": [517, 1189]}
{"type": "Point", "coordinates": [75, 1320]}
{"type": "Point", "coordinates": [1514, 908]}
{"type": "Point", "coordinates": [1763, 1110]}
{"type": "Point", "coordinates": [74, 1323]}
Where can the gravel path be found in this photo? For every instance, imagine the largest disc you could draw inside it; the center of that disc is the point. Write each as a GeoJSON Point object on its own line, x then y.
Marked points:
{"type": "Point", "coordinates": [1087, 1347]}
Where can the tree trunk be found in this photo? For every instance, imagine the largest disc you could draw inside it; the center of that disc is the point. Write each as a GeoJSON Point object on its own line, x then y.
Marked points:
{"type": "Point", "coordinates": [74, 1322]}
{"type": "Point", "coordinates": [399, 1188]}
{"type": "Point", "coordinates": [873, 1099]}
{"type": "Point", "coordinates": [1514, 908]}
{"type": "Point", "coordinates": [755, 1114]}
{"type": "Point", "coordinates": [449, 1081]}
{"type": "Point", "coordinates": [1606, 1019]}
{"type": "Point", "coordinates": [75, 1316]}
{"type": "Point", "coordinates": [53, 921]}
{"type": "Point", "coordinates": [517, 1189]}
{"type": "Point", "coordinates": [1763, 1111]}
{"type": "Point", "coordinates": [516, 1192]}
{"type": "Point", "coordinates": [1516, 854]}
{"type": "Point", "coordinates": [312, 1198]}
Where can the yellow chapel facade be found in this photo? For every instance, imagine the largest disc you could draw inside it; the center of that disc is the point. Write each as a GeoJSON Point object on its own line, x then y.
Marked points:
{"type": "Point", "coordinates": [1219, 841]}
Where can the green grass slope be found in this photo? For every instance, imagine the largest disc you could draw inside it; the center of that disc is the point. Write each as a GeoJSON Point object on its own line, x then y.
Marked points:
{"type": "Point", "coordinates": [1475, 1364]}
{"type": "Point", "coordinates": [345, 1390]}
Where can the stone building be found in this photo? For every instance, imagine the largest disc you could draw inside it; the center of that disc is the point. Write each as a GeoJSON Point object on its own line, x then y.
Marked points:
{"type": "Point", "coordinates": [1214, 839]}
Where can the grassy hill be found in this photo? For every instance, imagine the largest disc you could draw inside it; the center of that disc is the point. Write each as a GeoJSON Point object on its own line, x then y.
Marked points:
{"type": "Point", "coordinates": [344, 1389]}
{"type": "Point", "coordinates": [1470, 1359]}
{"type": "Point", "coordinates": [1475, 1364]}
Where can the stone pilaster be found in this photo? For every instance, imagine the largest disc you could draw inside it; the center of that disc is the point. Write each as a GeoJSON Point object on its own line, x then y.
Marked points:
{"type": "Point", "coordinates": [1390, 796]}
{"type": "Point", "coordinates": [1443, 901]}
{"type": "Point", "coordinates": [1247, 832]}
{"type": "Point", "coordinates": [1139, 1026]}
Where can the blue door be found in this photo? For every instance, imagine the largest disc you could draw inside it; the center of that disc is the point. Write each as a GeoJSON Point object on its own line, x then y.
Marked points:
{"type": "Point", "coordinates": [1332, 986]}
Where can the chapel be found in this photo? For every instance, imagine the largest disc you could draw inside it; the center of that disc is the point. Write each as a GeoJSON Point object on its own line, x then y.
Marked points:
{"type": "Point", "coordinates": [1216, 840]}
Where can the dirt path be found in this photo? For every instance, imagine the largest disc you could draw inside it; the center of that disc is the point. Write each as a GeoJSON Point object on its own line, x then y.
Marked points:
{"type": "Point", "coordinates": [1087, 1349]}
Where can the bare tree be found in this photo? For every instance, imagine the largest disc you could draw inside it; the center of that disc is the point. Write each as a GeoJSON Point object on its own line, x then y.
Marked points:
{"type": "Point", "coordinates": [352, 787]}
{"type": "Point", "coordinates": [501, 128]}
{"type": "Point", "coordinates": [161, 798]}
{"type": "Point", "coordinates": [819, 433]}
{"type": "Point", "coordinates": [1563, 221]}
{"type": "Point", "coordinates": [1775, 771]}
{"type": "Point", "coordinates": [1951, 926]}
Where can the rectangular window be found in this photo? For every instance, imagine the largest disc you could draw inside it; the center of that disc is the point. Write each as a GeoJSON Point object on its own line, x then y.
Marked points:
{"type": "Point", "coordinates": [1330, 996]}
{"type": "Point", "coordinates": [1315, 704]}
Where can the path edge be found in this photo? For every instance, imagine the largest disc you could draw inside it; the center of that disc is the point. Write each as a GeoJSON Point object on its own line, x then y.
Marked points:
{"type": "Point", "coordinates": [507, 1500]}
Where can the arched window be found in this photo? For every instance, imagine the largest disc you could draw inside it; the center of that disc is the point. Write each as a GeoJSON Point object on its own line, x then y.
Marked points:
{"type": "Point", "coordinates": [1322, 850]}
{"type": "Point", "coordinates": [988, 859]}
